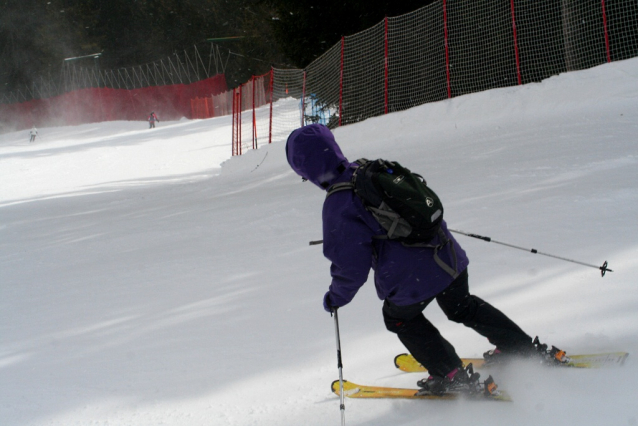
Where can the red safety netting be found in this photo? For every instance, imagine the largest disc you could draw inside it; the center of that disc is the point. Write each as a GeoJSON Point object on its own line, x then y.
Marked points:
{"type": "Point", "coordinates": [103, 104]}
{"type": "Point", "coordinates": [446, 49]}
{"type": "Point", "coordinates": [212, 106]}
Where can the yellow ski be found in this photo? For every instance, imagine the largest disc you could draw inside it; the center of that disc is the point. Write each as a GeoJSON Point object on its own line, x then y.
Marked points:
{"type": "Point", "coordinates": [406, 362]}
{"type": "Point", "coordinates": [353, 390]}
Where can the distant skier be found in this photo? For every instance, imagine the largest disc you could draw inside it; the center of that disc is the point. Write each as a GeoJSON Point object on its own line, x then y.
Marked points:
{"type": "Point", "coordinates": [33, 133]}
{"type": "Point", "coordinates": [407, 278]}
{"type": "Point", "coordinates": [152, 118]}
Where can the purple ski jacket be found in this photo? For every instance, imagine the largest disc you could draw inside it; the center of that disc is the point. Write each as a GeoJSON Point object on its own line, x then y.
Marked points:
{"type": "Point", "coordinates": [403, 275]}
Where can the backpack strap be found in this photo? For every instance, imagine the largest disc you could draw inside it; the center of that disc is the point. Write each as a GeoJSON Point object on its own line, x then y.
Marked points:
{"type": "Point", "coordinates": [343, 186]}
{"type": "Point", "coordinates": [453, 271]}
{"type": "Point", "coordinates": [393, 216]}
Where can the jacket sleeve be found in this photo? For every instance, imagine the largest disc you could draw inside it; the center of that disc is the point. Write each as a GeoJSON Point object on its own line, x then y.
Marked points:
{"type": "Point", "coordinates": [347, 244]}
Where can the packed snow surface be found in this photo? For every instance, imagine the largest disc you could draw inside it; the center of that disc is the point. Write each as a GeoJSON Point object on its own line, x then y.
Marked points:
{"type": "Point", "coordinates": [148, 278]}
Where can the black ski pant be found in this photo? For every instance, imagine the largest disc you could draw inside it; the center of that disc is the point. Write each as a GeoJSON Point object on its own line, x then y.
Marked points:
{"type": "Point", "coordinates": [426, 344]}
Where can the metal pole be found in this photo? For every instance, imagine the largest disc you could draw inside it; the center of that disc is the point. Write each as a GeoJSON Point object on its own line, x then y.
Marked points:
{"type": "Point", "coordinates": [240, 98]}
{"type": "Point", "coordinates": [447, 52]}
{"type": "Point", "coordinates": [385, 66]}
{"type": "Point", "coordinates": [602, 268]}
{"type": "Point", "coordinates": [254, 117]}
{"type": "Point", "coordinates": [342, 406]}
{"type": "Point", "coordinates": [343, 42]}
{"type": "Point", "coordinates": [303, 100]}
{"type": "Point", "coordinates": [272, 89]}
{"type": "Point", "coordinates": [518, 63]}
{"type": "Point", "coordinates": [606, 32]}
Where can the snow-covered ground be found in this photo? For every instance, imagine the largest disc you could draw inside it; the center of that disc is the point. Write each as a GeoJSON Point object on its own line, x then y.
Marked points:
{"type": "Point", "coordinates": [148, 279]}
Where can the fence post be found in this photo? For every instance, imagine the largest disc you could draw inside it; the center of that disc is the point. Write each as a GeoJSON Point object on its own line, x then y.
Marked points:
{"type": "Point", "coordinates": [237, 121]}
{"type": "Point", "coordinates": [385, 60]}
{"type": "Point", "coordinates": [606, 33]}
{"type": "Point", "coordinates": [341, 82]}
{"type": "Point", "coordinates": [254, 118]}
{"type": "Point", "coordinates": [233, 120]}
{"type": "Point", "coordinates": [272, 89]}
{"type": "Point", "coordinates": [447, 54]}
{"type": "Point", "coordinates": [518, 64]}
{"type": "Point", "coordinates": [241, 99]}
{"type": "Point", "coordinates": [303, 100]}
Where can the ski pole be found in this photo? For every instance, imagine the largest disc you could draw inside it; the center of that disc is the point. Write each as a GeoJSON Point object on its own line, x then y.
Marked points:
{"type": "Point", "coordinates": [342, 407]}
{"type": "Point", "coordinates": [602, 268]}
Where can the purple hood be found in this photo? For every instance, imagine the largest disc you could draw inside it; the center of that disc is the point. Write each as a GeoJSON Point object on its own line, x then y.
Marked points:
{"type": "Point", "coordinates": [313, 154]}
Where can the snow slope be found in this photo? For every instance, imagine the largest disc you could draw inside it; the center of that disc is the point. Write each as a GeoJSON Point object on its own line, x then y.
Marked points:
{"type": "Point", "coordinates": [148, 279]}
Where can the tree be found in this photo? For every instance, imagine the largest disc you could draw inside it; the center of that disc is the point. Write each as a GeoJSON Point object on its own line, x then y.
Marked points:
{"type": "Point", "coordinates": [304, 29]}
{"type": "Point", "coordinates": [36, 36]}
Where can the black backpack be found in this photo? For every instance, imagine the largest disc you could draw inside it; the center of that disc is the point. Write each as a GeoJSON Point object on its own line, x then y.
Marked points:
{"type": "Point", "coordinates": [401, 201]}
{"type": "Point", "coordinates": [403, 204]}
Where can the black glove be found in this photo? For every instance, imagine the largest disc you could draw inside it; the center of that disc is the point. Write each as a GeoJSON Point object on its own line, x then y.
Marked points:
{"type": "Point", "coordinates": [327, 303]}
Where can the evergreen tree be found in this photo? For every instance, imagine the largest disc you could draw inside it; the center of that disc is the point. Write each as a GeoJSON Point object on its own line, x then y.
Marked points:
{"type": "Point", "coordinates": [36, 36]}
{"type": "Point", "coordinates": [304, 29]}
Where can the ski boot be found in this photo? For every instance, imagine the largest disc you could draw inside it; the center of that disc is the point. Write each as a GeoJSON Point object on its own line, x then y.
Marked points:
{"type": "Point", "coordinates": [551, 357]}
{"type": "Point", "coordinates": [537, 351]}
{"type": "Point", "coordinates": [459, 380]}
{"type": "Point", "coordinates": [496, 357]}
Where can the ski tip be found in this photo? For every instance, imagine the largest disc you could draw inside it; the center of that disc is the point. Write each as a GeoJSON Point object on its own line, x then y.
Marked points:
{"type": "Point", "coordinates": [335, 386]}
{"type": "Point", "coordinates": [396, 359]}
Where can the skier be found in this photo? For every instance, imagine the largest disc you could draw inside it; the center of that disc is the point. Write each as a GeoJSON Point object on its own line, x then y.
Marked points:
{"type": "Point", "coordinates": [33, 133]}
{"type": "Point", "coordinates": [407, 279]}
{"type": "Point", "coordinates": [152, 118]}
